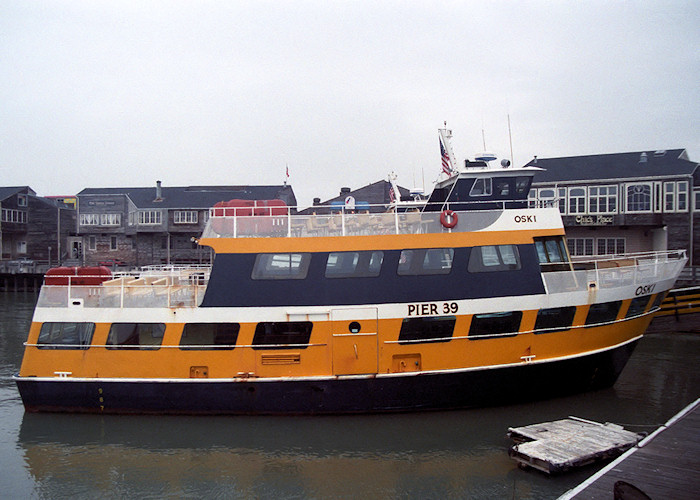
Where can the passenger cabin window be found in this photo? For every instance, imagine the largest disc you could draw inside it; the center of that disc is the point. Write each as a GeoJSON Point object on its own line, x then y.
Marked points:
{"type": "Point", "coordinates": [65, 335]}
{"type": "Point", "coordinates": [354, 264]}
{"type": "Point", "coordinates": [282, 335]}
{"type": "Point", "coordinates": [492, 258]}
{"type": "Point", "coordinates": [205, 336]}
{"type": "Point", "coordinates": [421, 261]}
{"type": "Point", "coordinates": [281, 266]}
{"type": "Point", "coordinates": [605, 312]}
{"type": "Point", "coordinates": [501, 324]}
{"type": "Point", "coordinates": [427, 329]}
{"type": "Point", "coordinates": [145, 336]}
{"type": "Point", "coordinates": [554, 319]}
{"type": "Point", "coordinates": [638, 306]}
{"type": "Point", "coordinates": [658, 300]}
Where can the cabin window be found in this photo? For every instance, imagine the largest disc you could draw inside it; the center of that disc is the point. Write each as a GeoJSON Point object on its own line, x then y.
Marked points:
{"type": "Point", "coordinates": [658, 300]}
{"type": "Point", "coordinates": [605, 312]}
{"type": "Point", "coordinates": [500, 324]}
{"type": "Point", "coordinates": [551, 250]}
{"type": "Point", "coordinates": [554, 318]}
{"type": "Point", "coordinates": [638, 306]}
{"type": "Point", "coordinates": [421, 261]}
{"type": "Point", "coordinates": [354, 264]}
{"type": "Point", "coordinates": [492, 258]}
{"type": "Point", "coordinates": [281, 266]}
{"type": "Point", "coordinates": [481, 187]}
{"type": "Point", "coordinates": [282, 335]}
{"type": "Point", "coordinates": [146, 336]}
{"type": "Point", "coordinates": [65, 335]}
{"type": "Point", "coordinates": [427, 329]}
{"type": "Point", "coordinates": [522, 184]}
{"type": "Point", "coordinates": [204, 336]}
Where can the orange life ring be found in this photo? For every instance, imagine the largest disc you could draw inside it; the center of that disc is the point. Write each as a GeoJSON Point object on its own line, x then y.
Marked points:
{"type": "Point", "coordinates": [452, 222]}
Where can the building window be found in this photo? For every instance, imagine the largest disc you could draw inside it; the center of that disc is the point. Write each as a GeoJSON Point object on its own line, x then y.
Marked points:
{"type": "Point", "coordinates": [10, 215]}
{"type": "Point", "coordinates": [638, 198]}
{"type": "Point", "coordinates": [89, 219]}
{"type": "Point", "coordinates": [577, 200]}
{"type": "Point", "coordinates": [185, 217]}
{"type": "Point", "coordinates": [580, 246]}
{"type": "Point", "coordinates": [682, 196]}
{"type": "Point", "coordinates": [669, 196]}
{"type": "Point", "coordinates": [150, 217]}
{"type": "Point", "coordinates": [110, 219]}
{"type": "Point", "coordinates": [546, 197]}
{"type": "Point", "coordinates": [602, 199]}
{"type": "Point", "coordinates": [532, 198]}
{"type": "Point", "coordinates": [21, 247]}
{"type": "Point", "coordinates": [112, 242]}
{"type": "Point", "coordinates": [92, 243]}
{"type": "Point", "coordinates": [21, 200]}
{"type": "Point", "coordinates": [422, 261]}
{"type": "Point", "coordinates": [610, 246]}
{"type": "Point", "coordinates": [696, 200]}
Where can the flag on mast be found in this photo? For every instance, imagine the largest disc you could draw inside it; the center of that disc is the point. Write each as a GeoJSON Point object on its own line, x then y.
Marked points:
{"type": "Point", "coordinates": [446, 166]}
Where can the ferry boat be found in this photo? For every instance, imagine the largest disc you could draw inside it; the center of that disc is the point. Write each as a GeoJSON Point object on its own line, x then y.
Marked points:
{"type": "Point", "coordinates": [468, 299]}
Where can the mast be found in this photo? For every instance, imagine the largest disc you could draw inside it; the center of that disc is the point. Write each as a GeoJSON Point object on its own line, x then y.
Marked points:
{"type": "Point", "coordinates": [446, 141]}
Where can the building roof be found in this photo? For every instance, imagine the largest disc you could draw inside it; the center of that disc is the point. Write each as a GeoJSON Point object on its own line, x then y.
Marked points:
{"type": "Point", "coordinates": [195, 196]}
{"type": "Point", "coordinates": [6, 192]}
{"type": "Point", "coordinates": [666, 163]}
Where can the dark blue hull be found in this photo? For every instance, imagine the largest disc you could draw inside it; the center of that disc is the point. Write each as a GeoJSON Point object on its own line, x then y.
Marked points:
{"type": "Point", "coordinates": [427, 391]}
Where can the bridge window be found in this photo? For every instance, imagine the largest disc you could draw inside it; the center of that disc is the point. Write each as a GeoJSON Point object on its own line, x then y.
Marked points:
{"type": "Point", "coordinates": [281, 266]}
{"type": "Point", "coordinates": [427, 329]}
{"type": "Point", "coordinates": [146, 336]}
{"type": "Point", "coordinates": [203, 336]}
{"type": "Point", "coordinates": [481, 187]}
{"type": "Point", "coordinates": [354, 264]}
{"type": "Point", "coordinates": [65, 335]}
{"type": "Point", "coordinates": [423, 261]}
{"type": "Point", "coordinates": [492, 258]}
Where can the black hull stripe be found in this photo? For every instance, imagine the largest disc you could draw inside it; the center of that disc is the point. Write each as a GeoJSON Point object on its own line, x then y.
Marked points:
{"type": "Point", "coordinates": [424, 391]}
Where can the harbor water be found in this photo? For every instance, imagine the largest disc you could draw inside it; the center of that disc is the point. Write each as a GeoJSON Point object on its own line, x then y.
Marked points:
{"type": "Point", "coordinates": [454, 454]}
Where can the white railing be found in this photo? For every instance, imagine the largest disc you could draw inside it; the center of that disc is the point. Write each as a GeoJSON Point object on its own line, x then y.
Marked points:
{"type": "Point", "coordinates": [371, 220]}
{"type": "Point", "coordinates": [616, 271]}
{"type": "Point", "coordinates": [154, 286]}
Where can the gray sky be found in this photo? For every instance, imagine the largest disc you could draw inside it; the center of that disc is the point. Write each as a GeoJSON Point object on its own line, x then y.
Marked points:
{"type": "Point", "coordinates": [99, 94]}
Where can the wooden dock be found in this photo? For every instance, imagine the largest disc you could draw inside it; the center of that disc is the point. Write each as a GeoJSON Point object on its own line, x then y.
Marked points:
{"type": "Point", "coordinates": [555, 447]}
{"type": "Point", "coordinates": [666, 464]}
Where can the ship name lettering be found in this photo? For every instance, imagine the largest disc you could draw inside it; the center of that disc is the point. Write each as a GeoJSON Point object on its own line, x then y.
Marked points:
{"type": "Point", "coordinates": [525, 218]}
{"type": "Point", "coordinates": [643, 290]}
{"type": "Point", "coordinates": [432, 308]}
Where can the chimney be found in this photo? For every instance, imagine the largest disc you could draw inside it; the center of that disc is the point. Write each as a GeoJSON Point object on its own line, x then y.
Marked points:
{"type": "Point", "coordinates": [159, 192]}
{"type": "Point", "coordinates": [643, 158]}
{"type": "Point", "coordinates": [317, 201]}
{"type": "Point", "coordinates": [535, 160]}
{"type": "Point", "coordinates": [344, 191]}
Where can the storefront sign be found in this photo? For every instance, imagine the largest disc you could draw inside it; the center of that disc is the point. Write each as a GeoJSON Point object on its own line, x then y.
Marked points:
{"type": "Point", "coordinates": [594, 220]}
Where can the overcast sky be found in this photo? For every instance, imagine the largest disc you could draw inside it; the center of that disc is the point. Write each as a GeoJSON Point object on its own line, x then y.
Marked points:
{"type": "Point", "coordinates": [100, 94]}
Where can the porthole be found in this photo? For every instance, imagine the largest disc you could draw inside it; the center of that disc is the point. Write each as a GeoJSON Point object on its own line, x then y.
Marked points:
{"type": "Point", "coordinates": [354, 327]}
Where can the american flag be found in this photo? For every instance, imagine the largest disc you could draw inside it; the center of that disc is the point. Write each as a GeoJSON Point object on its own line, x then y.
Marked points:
{"type": "Point", "coordinates": [392, 195]}
{"type": "Point", "coordinates": [446, 167]}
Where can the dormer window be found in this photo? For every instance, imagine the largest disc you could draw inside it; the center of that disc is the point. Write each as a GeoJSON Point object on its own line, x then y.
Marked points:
{"type": "Point", "coordinates": [21, 200]}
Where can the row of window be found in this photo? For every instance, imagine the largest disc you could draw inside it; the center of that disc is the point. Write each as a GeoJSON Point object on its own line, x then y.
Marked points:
{"type": "Point", "coordinates": [141, 217]}
{"type": "Point", "coordinates": [596, 246]}
{"type": "Point", "coordinates": [641, 197]}
{"type": "Point", "coordinates": [11, 215]}
{"type": "Point", "coordinates": [296, 334]}
{"type": "Point", "coordinates": [363, 264]}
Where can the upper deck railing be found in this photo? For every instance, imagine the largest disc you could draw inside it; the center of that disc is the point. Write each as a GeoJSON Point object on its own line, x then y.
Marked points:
{"type": "Point", "coordinates": [405, 218]}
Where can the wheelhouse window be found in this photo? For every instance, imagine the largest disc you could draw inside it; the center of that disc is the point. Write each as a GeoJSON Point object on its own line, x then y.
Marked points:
{"type": "Point", "coordinates": [150, 217]}
{"type": "Point", "coordinates": [282, 335]}
{"type": "Point", "coordinates": [185, 217]}
{"type": "Point", "coordinates": [500, 324]}
{"type": "Point", "coordinates": [602, 199]}
{"type": "Point", "coordinates": [605, 312]}
{"type": "Point", "coordinates": [481, 187]}
{"type": "Point", "coordinates": [65, 335]}
{"type": "Point", "coordinates": [554, 319]}
{"type": "Point", "coordinates": [638, 198]}
{"type": "Point", "coordinates": [577, 200]}
{"type": "Point", "coordinates": [145, 336]}
{"type": "Point", "coordinates": [551, 250]}
{"type": "Point", "coordinates": [206, 336]}
{"type": "Point", "coordinates": [427, 329]}
{"type": "Point", "coordinates": [493, 258]}
{"type": "Point", "coordinates": [580, 246]}
{"type": "Point", "coordinates": [281, 266]}
{"type": "Point", "coordinates": [638, 306]}
{"type": "Point", "coordinates": [354, 264]}
{"type": "Point", "coordinates": [422, 261]}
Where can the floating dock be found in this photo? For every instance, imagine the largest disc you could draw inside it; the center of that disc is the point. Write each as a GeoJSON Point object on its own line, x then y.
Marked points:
{"type": "Point", "coordinates": [666, 464]}
{"type": "Point", "coordinates": [555, 447]}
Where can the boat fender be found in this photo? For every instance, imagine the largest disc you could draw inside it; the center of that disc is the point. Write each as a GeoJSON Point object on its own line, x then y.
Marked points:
{"type": "Point", "coordinates": [448, 218]}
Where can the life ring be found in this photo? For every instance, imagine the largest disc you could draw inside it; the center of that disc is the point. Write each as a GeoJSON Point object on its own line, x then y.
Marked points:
{"type": "Point", "coordinates": [448, 218]}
